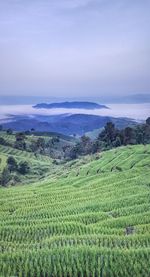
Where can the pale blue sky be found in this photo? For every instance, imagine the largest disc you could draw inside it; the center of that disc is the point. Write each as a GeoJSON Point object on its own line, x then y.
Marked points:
{"type": "Point", "coordinates": [77, 47]}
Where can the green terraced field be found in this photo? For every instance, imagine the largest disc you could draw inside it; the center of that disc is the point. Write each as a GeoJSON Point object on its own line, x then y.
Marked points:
{"type": "Point", "coordinates": [89, 217]}
{"type": "Point", "coordinates": [2, 161]}
{"type": "Point", "coordinates": [40, 165]}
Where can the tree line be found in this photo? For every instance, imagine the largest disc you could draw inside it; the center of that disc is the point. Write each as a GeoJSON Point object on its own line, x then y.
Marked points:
{"type": "Point", "coordinates": [110, 137]}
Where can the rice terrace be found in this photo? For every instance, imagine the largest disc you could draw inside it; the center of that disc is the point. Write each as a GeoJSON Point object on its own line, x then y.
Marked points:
{"type": "Point", "coordinates": [88, 217]}
{"type": "Point", "coordinates": [74, 138]}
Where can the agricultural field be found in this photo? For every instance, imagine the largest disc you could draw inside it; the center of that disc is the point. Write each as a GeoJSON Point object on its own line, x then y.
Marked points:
{"type": "Point", "coordinates": [89, 217]}
{"type": "Point", "coordinates": [47, 136]}
{"type": "Point", "coordinates": [39, 164]}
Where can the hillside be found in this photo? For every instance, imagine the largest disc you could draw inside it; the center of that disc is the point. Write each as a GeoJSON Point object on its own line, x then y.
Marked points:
{"type": "Point", "coordinates": [39, 164]}
{"type": "Point", "coordinates": [71, 105]}
{"type": "Point", "coordinates": [39, 160]}
{"type": "Point", "coordinates": [88, 217]}
{"type": "Point", "coordinates": [67, 124]}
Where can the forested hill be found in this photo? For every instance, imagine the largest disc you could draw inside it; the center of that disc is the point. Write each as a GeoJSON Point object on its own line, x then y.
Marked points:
{"type": "Point", "coordinates": [67, 124]}
{"type": "Point", "coordinates": [71, 105]}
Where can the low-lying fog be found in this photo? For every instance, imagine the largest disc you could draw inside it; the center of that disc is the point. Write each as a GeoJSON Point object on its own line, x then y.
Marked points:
{"type": "Point", "coordinates": [136, 111]}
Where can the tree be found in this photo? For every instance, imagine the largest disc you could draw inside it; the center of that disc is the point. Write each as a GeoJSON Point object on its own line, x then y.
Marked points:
{"type": "Point", "coordinates": [38, 145]}
{"type": "Point", "coordinates": [110, 130]}
{"type": "Point", "coordinates": [33, 146]}
{"type": "Point", "coordinates": [140, 138]}
{"type": "Point", "coordinates": [148, 121]}
{"type": "Point", "coordinates": [129, 136]}
{"type": "Point", "coordinates": [41, 143]}
{"type": "Point", "coordinates": [12, 164]}
{"type": "Point", "coordinates": [85, 140]}
{"type": "Point", "coordinates": [108, 135]}
{"type": "Point", "coordinates": [146, 130]}
{"type": "Point", "coordinates": [70, 152]}
{"type": "Point", "coordinates": [139, 132]}
{"type": "Point", "coordinates": [32, 130]}
{"type": "Point", "coordinates": [95, 146]}
{"type": "Point", "coordinates": [1, 127]}
{"type": "Point", "coordinates": [85, 146]}
{"type": "Point", "coordinates": [27, 132]}
{"type": "Point", "coordinates": [24, 168]}
{"type": "Point", "coordinates": [5, 177]}
{"type": "Point", "coordinates": [73, 154]}
{"type": "Point", "coordinates": [20, 136]}
{"type": "Point", "coordinates": [55, 140]}
{"type": "Point", "coordinates": [117, 142]}
{"type": "Point", "coordinates": [9, 131]}
{"type": "Point", "coordinates": [21, 145]}
{"type": "Point", "coordinates": [20, 141]}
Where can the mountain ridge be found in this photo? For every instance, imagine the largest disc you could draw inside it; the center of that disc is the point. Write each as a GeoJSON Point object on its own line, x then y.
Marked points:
{"type": "Point", "coordinates": [67, 125]}
{"type": "Point", "coordinates": [71, 105]}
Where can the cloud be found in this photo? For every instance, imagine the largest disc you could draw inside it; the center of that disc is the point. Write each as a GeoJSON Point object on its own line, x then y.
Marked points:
{"type": "Point", "coordinates": [71, 45]}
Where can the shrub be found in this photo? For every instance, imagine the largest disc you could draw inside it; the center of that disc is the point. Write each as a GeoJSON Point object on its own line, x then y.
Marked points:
{"type": "Point", "coordinates": [9, 131]}
{"type": "Point", "coordinates": [12, 164]}
{"type": "Point", "coordinates": [23, 168]}
{"type": "Point", "coordinates": [5, 177]}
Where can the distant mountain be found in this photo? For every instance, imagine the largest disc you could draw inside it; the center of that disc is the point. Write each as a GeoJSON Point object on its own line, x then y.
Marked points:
{"type": "Point", "coordinates": [124, 99]}
{"type": "Point", "coordinates": [78, 124]}
{"type": "Point", "coordinates": [137, 98]}
{"type": "Point", "coordinates": [102, 98]}
{"type": "Point", "coordinates": [71, 105]}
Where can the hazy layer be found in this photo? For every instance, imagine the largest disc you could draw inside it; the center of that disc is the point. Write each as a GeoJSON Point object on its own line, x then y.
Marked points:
{"type": "Point", "coordinates": [135, 111]}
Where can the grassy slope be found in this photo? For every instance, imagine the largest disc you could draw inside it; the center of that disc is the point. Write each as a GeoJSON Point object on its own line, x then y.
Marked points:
{"type": "Point", "coordinates": [76, 220]}
{"type": "Point", "coordinates": [40, 165]}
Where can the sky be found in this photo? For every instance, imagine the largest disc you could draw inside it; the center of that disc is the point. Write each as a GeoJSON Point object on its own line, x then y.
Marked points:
{"type": "Point", "coordinates": [64, 48]}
